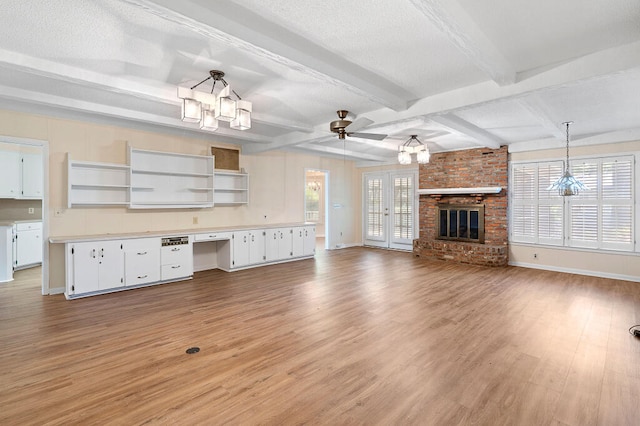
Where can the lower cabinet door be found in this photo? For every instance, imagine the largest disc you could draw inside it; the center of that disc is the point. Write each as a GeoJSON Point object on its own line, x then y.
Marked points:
{"type": "Point", "coordinates": [174, 271]}
{"type": "Point", "coordinates": [111, 264]}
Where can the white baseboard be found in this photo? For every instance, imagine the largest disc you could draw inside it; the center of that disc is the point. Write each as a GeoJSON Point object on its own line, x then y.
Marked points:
{"type": "Point", "coordinates": [598, 274]}
{"type": "Point", "coordinates": [343, 246]}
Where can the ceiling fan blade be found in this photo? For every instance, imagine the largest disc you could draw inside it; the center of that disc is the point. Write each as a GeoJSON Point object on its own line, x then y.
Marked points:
{"type": "Point", "coordinates": [374, 136]}
{"type": "Point", "coordinates": [359, 123]}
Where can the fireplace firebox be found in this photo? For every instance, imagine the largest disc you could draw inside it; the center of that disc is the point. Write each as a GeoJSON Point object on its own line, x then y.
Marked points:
{"type": "Point", "coordinates": [460, 222]}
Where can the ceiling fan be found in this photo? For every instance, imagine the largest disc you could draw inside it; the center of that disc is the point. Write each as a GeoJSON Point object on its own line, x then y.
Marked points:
{"type": "Point", "coordinates": [345, 127]}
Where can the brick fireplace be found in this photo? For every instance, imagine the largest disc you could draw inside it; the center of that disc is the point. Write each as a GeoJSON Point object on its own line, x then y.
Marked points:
{"type": "Point", "coordinates": [460, 178]}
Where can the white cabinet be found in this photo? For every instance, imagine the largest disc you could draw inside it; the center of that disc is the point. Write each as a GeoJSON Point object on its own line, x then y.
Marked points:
{"type": "Point", "coordinates": [90, 183]}
{"type": "Point", "coordinates": [279, 244]}
{"type": "Point", "coordinates": [309, 243]}
{"type": "Point", "coordinates": [240, 247]}
{"type": "Point", "coordinates": [297, 249]}
{"type": "Point", "coordinates": [168, 180]}
{"type": "Point", "coordinates": [28, 244]}
{"type": "Point", "coordinates": [94, 266]}
{"type": "Point", "coordinates": [9, 174]}
{"type": "Point", "coordinates": [6, 253]}
{"type": "Point", "coordinates": [141, 261]}
{"type": "Point", "coordinates": [21, 175]}
{"type": "Point", "coordinates": [31, 176]}
{"type": "Point", "coordinates": [176, 258]}
{"type": "Point", "coordinates": [231, 188]}
{"type": "Point", "coordinates": [257, 246]}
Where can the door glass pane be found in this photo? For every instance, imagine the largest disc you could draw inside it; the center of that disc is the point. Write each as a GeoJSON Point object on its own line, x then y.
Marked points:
{"type": "Point", "coordinates": [375, 206]}
{"type": "Point", "coordinates": [403, 207]}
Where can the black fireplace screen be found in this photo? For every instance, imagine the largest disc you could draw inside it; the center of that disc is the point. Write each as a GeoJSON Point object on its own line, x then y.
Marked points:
{"type": "Point", "coordinates": [461, 222]}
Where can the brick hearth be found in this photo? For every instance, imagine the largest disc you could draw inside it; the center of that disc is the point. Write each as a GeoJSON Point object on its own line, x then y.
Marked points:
{"type": "Point", "coordinates": [463, 169]}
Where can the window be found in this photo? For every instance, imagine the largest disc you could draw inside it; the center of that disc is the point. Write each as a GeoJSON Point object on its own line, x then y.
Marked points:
{"type": "Point", "coordinates": [601, 218]}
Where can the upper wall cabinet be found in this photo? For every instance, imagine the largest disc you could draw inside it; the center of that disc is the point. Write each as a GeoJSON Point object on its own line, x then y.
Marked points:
{"type": "Point", "coordinates": [20, 175]}
{"type": "Point", "coordinates": [9, 174]}
{"type": "Point", "coordinates": [32, 176]}
{"type": "Point", "coordinates": [163, 180]}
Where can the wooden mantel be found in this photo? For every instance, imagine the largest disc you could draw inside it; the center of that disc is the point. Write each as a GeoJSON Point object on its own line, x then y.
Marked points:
{"type": "Point", "coordinates": [478, 192]}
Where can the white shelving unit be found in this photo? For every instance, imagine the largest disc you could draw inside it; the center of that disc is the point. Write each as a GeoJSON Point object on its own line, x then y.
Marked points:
{"type": "Point", "coordinates": [97, 184]}
{"type": "Point", "coordinates": [163, 180]}
{"type": "Point", "coordinates": [231, 188]}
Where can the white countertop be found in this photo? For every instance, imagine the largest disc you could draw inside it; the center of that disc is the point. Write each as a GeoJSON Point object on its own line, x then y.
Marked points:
{"type": "Point", "coordinates": [13, 222]}
{"type": "Point", "coordinates": [169, 233]}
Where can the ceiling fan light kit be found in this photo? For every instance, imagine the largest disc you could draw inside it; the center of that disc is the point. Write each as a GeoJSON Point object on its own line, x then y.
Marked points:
{"type": "Point", "coordinates": [413, 146]}
{"type": "Point", "coordinates": [207, 108]}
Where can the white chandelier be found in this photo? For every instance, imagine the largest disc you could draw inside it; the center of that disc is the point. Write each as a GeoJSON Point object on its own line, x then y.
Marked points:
{"type": "Point", "coordinates": [413, 146]}
{"type": "Point", "coordinates": [208, 109]}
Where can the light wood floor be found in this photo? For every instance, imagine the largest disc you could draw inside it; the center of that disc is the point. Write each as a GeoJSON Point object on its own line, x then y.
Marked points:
{"type": "Point", "coordinates": [356, 336]}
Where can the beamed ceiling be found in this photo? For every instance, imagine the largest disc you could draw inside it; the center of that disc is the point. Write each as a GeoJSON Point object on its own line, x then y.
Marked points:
{"type": "Point", "coordinates": [459, 74]}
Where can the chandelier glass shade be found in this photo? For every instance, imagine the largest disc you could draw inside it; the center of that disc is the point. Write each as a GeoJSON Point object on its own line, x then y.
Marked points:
{"type": "Point", "coordinates": [208, 109]}
{"type": "Point", "coordinates": [413, 146]}
{"type": "Point", "coordinates": [567, 185]}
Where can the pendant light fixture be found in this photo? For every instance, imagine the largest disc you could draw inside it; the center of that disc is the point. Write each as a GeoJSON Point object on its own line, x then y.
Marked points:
{"type": "Point", "coordinates": [209, 109]}
{"type": "Point", "coordinates": [567, 185]}
{"type": "Point", "coordinates": [413, 146]}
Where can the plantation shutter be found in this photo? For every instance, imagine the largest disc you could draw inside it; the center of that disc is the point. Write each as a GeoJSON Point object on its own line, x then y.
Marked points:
{"type": "Point", "coordinates": [524, 202]}
{"type": "Point", "coordinates": [403, 195]}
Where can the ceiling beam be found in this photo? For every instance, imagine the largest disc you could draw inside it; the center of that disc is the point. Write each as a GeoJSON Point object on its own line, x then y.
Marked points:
{"type": "Point", "coordinates": [461, 30]}
{"type": "Point", "coordinates": [243, 29]}
{"type": "Point", "coordinates": [52, 101]}
{"type": "Point", "coordinates": [480, 136]}
{"type": "Point", "coordinates": [603, 64]}
{"type": "Point", "coordinates": [536, 107]}
{"type": "Point", "coordinates": [342, 152]}
{"type": "Point", "coordinates": [618, 136]}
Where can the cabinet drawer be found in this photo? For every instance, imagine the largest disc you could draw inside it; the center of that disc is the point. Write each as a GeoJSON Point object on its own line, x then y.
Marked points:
{"type": "Point", "coordinates": [175, 254]}
{"type": "Point", "coordinates": [176, 270]}
{"type": "Point", "coordinates": [141, 266]}
{"type": "Point", "coordinates": [213, 236]}
{"type": "Point", "coordinates": [29, 226]}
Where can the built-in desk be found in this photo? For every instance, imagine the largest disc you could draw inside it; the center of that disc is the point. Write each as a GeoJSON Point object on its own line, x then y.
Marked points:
{"type": "Point", "coordinates": [113, 262]}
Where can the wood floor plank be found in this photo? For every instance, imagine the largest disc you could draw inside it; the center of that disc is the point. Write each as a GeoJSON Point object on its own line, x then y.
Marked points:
{"type": "Point", "coordinates": [355, 336]}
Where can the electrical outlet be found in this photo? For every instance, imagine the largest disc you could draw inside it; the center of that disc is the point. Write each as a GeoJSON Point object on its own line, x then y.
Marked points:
{"type": "Point", "coordinates": [195, 220]}
{"type": "Point", "coordinates": [31, 210]}
{"type": "Point", "coordinates": [58, 212]}
{"type": "Point", "coordinates": [535, 255]}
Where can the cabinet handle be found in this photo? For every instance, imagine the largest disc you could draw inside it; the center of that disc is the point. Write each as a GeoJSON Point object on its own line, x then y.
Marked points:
{"type": "Point", "coordinates": [175, 249]}
{"type": "Point", "coordinates": [274, 236]}
{"type": "Point", "coordinates": [93, 253]}
{"type": "Point", "coordinates": [102, 252]}
{"type": "Point", "coordinates": [142, 276]}
{"type": "Point", "coordinates": [142, 253]}
{"type": "Point", "coordinates": [212, 236]}
{"type": "Point", "coordinates": [252, 238]}
{"type": "Point", "coordinates": [175, 266]}
{"type": "Point", "coordinates": [244, 239]}
{"type": "Point", "coordinates": [306, 233]}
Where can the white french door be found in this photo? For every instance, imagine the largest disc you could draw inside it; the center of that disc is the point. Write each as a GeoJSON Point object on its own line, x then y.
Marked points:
{"type": "Point", "coordinates": [389, 209]}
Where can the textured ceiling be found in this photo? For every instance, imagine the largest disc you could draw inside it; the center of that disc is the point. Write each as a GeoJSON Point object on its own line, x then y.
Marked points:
{"type": "Point", "coordinates": [459, 74]}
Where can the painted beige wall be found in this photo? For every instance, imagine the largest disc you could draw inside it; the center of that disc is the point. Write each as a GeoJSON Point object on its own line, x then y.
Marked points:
{"type": "Point", "coordinates": [623, 266]}
{"type": "Point", "coordinates": [277, 182]}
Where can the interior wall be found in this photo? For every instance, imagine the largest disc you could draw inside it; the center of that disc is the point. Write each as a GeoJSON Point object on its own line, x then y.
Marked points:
{"type": "Point", "coordinates": [276, 184]}
{"type": "Point", "coordinates": [588, 262]}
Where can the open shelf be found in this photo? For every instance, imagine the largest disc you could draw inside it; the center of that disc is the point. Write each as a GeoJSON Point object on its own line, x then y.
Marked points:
{"type": "Point", "coordinates": [97, 184]}
{"type": "Point", "coordinates": [170, 180]}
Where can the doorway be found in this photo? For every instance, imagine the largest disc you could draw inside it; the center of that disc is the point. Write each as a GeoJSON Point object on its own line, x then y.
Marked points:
{"type": "Point", "coordinates": [316, 205]}
{"type": "Point", "coordinates": [29, 207]}
{"type": "Point", "coordinates": [390, 201]}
